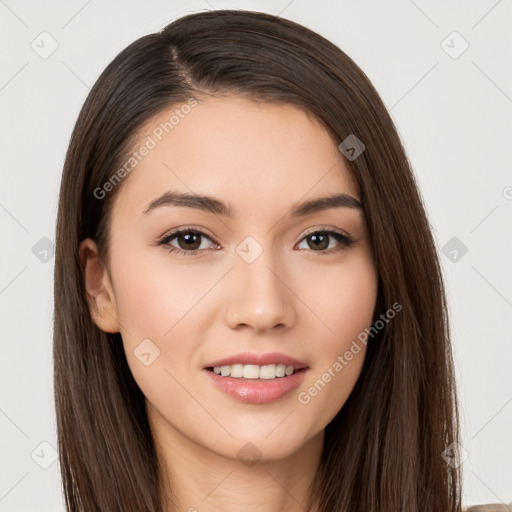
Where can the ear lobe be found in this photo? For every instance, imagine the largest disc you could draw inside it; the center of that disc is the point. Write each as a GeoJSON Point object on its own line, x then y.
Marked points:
{"type": "Point", "coordinates": [100, 294]}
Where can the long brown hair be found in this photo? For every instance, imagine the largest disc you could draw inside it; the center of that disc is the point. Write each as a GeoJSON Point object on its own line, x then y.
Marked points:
{"type": "Point", "coordinates": [383, 451]}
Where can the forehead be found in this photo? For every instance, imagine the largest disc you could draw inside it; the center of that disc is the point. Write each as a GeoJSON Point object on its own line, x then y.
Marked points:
{"type": "Point", "coordinates": [237, 150]}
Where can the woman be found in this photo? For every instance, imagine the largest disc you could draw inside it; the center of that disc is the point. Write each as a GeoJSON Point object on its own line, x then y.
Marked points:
{"type": "Point", "coordinates": [249, 307]}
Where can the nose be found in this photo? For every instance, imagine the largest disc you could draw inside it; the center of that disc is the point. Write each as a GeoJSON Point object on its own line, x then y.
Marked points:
{"type": "Point", "coordinates": [259, 295]}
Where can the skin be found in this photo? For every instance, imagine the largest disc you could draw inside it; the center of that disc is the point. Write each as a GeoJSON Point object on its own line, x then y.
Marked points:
{"type": "Point", "coordinates": [294, 298]}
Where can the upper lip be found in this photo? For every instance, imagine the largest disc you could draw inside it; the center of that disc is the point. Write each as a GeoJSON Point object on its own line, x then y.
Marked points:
{"type": "Point", "coordinates": [258, 359]}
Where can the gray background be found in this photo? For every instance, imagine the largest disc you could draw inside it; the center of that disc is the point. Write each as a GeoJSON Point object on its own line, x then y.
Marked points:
{"type": "Point", "coordinates": [451, 107]}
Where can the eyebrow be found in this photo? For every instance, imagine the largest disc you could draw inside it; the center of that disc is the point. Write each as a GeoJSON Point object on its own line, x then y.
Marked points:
{"type": "Point", "coordinates": [212, 205]}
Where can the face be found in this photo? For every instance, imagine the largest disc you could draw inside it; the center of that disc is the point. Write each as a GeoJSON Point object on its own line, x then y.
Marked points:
{"type": "Point", "coordinates": [253, 285]}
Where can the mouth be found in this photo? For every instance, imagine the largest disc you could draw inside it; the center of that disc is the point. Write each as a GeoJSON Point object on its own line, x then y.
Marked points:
{"type": "Point", "coordinates": [256, 378]}
{"type": "Point", "coordinates": [256, 372]}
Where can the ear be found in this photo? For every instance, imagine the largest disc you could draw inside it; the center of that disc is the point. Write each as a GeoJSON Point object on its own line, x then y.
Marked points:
{"type": "Point", "coordinates": [100, 293]}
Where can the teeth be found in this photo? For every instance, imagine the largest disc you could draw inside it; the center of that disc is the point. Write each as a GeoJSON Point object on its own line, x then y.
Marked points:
{"type": "Point", "coordinates": [267, 372]}
{"type": "Point", "coordinates": [253, 371]}
{"type": "Point", "coordinates": [237, 370]}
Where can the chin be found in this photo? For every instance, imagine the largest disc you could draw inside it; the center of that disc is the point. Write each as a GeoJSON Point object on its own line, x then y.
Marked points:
{"type": "Point", "coordinates": [266, 443]}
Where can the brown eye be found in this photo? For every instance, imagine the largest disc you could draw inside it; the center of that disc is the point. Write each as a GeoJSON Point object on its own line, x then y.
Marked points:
{"type": "Point", "coordinates": [189, 240]}
{"type": "Point", "coordinates": [318, 241]}
{"type": "Point", "coordinates": [186, 241]}
{"type": "Point", "coordinates": [325, 241]}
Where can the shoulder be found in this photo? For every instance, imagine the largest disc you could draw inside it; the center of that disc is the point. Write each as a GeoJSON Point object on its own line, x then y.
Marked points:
{"type": "Point", "coordinates": [492, 507]}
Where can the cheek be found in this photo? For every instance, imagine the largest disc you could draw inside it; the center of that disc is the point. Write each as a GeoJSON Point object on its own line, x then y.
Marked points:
{"type": "Point", "coordinates": [168, 304]}
{"type": "Point", "coordinates": [343, 299]}
{"type": "Point", "coordinates": [351, 302]}
{"type": "Point", "coordinates": [346, 301]}
{"type": "Point", "coordinates": [164, 303]}
{"type": "Point", "coordinates": [155, 298]}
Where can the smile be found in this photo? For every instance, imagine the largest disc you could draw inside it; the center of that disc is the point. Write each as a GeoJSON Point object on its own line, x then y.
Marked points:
{"type": "Point", "coordinates": [254, 371]}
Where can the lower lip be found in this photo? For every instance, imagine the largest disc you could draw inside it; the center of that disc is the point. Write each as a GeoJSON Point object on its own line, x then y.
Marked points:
{"type": "Point", "coordinates": [256, 391]}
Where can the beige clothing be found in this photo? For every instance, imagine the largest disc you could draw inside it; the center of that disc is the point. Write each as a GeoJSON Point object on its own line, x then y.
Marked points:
{"type": "Point", "coordinates": [492, 507]}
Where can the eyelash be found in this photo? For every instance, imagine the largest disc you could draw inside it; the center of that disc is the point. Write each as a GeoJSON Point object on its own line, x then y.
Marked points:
{"type": "Point", "coordinates": [345, 241]}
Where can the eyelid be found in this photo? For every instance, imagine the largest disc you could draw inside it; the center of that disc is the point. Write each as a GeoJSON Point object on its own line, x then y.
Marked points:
{"type": "Point", "coordinates": [320, 228]}
{"type": "Point", "coordinates": [187, 227]}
